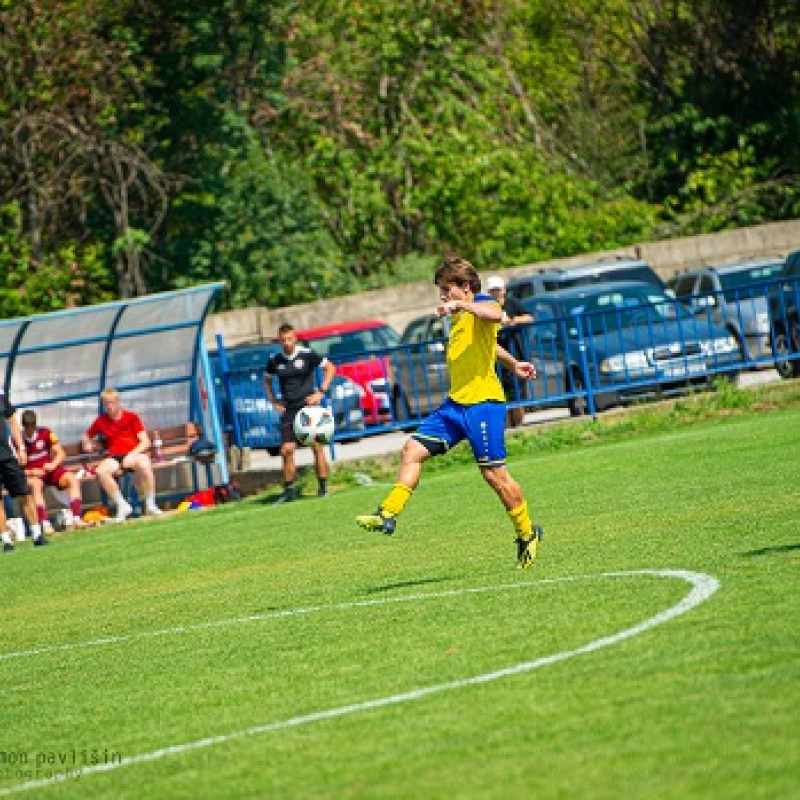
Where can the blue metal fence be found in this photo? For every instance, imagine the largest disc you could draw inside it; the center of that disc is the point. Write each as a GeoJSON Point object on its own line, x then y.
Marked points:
{"type": "Point", "coordinates": [586, 361]}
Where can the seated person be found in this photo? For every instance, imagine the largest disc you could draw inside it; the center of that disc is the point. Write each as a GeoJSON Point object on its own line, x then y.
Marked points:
{"type": "Point", "coordinates": [128, 444]}
{"type": "Point", "coordinates": [44, 468]}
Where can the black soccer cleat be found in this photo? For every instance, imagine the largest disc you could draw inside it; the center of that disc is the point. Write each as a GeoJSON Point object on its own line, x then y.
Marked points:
{"type": "Point", "coordinates": [42, 541]}
{"type": "Point", "coordinates": [289, 495]}
{"type": "Point", "coordinates": [526, 548]}
{"type": "Point", "coordinates": [378, 522]}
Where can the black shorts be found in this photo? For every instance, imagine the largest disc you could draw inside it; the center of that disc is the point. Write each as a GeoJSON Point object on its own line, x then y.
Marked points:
{"type": "Point", "coordinates": [287, 423]}
{"type": "Point", "coordinates": [514, 388]}
{"type": "Point", "coordinates": [12, 478]}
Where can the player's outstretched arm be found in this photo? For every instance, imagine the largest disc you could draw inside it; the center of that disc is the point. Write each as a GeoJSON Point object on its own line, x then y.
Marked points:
{"type": "Point", "coordinates": [522, 369]}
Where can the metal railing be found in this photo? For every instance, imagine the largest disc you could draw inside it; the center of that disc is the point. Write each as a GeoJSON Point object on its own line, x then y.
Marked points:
{"type": "Point", "coordinates": [585, 362]}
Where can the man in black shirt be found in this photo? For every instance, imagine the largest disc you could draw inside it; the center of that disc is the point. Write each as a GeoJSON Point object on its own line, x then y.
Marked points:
{"type": "Point", "coordinates": [296, 370]}
{"type": "Point", "coordinates": [511, 338]}
{"type": "Point", "coordinates": [12, 474]}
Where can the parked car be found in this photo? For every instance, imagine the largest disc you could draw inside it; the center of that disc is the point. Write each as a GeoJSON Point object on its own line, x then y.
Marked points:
{"type": "Point", "coordinates": [784, 312]}
{"type": "Point", "coordinates": [734, 296]}
{"type": "Point", "coordinates": [351, 346]}
{"type": "Point", "coordinates": [258, 420]}
{"type": "Point", "coordinates": [638, 340]}
{"type": "Point", "coordinates": [421, 363]}
{"type": "Point", "coordinates": [619, 269]}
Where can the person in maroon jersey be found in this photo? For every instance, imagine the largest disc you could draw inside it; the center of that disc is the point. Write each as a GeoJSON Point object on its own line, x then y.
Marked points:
{"type": "Point", "coordinates": [44, 468]}
{"type": "Point", "coordinates": [128, 444]}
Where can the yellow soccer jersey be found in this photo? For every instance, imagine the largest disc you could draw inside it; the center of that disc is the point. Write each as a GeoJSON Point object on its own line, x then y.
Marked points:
{"type": "Point", "coordinates": [471, 357]}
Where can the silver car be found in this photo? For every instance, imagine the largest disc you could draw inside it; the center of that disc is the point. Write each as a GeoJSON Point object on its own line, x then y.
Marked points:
{"type": "Point", "coordinates": [735, 297]}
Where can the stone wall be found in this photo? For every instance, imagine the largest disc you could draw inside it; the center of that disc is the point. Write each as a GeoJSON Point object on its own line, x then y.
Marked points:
{"type": "Point", "coordinates": [401, 304]}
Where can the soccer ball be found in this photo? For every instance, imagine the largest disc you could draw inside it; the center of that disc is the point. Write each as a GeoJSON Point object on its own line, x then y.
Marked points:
{"type": "Point", "coordinates": [314, 425]}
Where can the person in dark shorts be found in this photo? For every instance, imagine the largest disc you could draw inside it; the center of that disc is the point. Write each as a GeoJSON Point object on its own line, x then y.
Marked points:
{"type": "Point", "coordinates": [12, 475]}
{"type": "Point", "coordinates": [511, 338]}
{"type": "Point", "coordinates": [296, 370]}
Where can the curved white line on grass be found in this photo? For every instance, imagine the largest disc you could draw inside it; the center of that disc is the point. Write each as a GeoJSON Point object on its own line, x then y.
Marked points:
{"type": "Point", "coordinates": [281, 614]}
{"type": "Point", "coordinates": [703, 586]}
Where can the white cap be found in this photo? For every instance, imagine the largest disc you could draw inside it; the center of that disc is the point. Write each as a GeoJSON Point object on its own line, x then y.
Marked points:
{"type": "Point", "coordinates": [495, 282]}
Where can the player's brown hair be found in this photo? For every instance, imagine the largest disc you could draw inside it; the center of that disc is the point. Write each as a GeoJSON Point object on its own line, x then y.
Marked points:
{"type": "Point", "coordinates": [285, 328]}
{"type": "Point", "coordinates": [109, 394]}
{"type": "Point", "coordinates": [456, 270]}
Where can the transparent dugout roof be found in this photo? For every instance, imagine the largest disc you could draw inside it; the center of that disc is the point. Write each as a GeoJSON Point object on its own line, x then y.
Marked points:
{"type": "Point", "coordinates": [148, 348]}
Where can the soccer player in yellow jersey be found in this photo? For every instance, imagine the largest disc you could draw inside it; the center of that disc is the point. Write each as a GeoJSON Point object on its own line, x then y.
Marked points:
{"type": "Point", "coordinates": [474, 409]}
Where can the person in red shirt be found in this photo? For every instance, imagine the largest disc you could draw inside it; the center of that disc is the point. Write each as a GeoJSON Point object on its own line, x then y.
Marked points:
{"type": "Point", "coordinates": [44, 468]}
{"type": "Point", "coordinates": [127, 445]}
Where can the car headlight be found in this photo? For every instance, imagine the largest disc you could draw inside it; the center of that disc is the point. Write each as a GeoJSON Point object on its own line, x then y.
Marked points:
{"type": "Point", "coordinates": [624, 361]}
{"type": "Point", "coordinates": [720, 346]}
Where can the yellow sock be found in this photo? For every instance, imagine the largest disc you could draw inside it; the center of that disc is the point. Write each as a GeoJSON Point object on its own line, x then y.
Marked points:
{"type": "Point", "coordinates": [396, 499]}
{"type": "Point", "coordinates": [522, 521]}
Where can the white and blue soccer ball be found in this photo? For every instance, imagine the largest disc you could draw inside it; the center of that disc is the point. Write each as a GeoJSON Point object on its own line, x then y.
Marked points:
{"type": "Point", "coordinates": [314, 425]}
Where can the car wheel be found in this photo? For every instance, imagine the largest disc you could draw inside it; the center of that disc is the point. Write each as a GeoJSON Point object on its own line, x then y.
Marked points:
{"type": "Point", "coordinates": [578, 406]}
{"type": "Point", "coordinates": [785, 345]}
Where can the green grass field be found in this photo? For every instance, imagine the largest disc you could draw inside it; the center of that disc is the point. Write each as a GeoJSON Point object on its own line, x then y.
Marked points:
{"type": "Point", "coordinates": [251, 651]}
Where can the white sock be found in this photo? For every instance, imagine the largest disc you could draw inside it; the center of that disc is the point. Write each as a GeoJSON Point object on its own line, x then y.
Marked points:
{"type": "Point", "coordinates": [120, 501]}
{"type": "Point", "coordinates": [6, 537]}
{"type": "Point", "coordinates": [36, 530]}
{"type": "Point", "coordinates": [150, 500]}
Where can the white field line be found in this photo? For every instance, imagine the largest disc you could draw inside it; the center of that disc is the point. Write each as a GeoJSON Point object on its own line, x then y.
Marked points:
{"type": "Point", "coordinates": [703, 586]}
{"type": "Point", "coordinates": [267, 616]}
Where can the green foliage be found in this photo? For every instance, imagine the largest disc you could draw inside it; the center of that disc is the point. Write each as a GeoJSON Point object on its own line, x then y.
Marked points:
{"type": "Point", "coordinates": [70, 277]}
{"type": "Point", "coordinates": [315, 149]}
{"type": "Point", "coordinates": [267, 237]}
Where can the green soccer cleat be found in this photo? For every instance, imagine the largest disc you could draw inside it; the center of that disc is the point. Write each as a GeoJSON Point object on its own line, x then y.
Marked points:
{"type": "Point", "coordinates": [378, 522]}
{"type": "Point", "coordinates": [526, 548]}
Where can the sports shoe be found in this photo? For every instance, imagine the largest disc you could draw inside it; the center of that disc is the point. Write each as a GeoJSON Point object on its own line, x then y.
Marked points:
{"type": "Point", "coordinates": [289, 494]}
{"type": "Point", "coordinates": [526, 548]}
{"type": "Point", "coordinates": [47, 527]}
{"type": "Point", "coordinates": [153, 511]}
{"type": "Point", "coordinates": [8, 547]}
{"type": "Point", "coordinates": [322, 491]}
{"type": "Point", "coordinates": [41, 541]}
{"type": "Point", "coordinates": [124, 510]}
{"type": "Point", "coordinates": [378, 522]}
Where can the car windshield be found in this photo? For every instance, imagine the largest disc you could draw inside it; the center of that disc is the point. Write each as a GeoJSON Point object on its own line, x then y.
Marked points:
{"type": "Point", "coordinates": [348, 343]}
{"type": "Point", "coordinates": [257, 357]}
{"type": "Point", "coordinates": [733, 281]}
{"type": "Point", "coordinates": [643, 274]}
{"type": "Point", "coordinates": [626, 307]}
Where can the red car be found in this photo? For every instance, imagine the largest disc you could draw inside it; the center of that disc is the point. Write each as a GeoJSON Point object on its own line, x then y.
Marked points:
{"type": "Point", "coordinates": [373, 373]}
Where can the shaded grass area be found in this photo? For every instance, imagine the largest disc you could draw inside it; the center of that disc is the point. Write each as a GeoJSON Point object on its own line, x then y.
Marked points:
{"type": "Point", "coordinates": [703, 706]}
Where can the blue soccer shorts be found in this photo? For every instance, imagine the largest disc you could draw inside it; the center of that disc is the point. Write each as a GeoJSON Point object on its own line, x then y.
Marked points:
{"type": "Point", "coordinates": [483, 425]}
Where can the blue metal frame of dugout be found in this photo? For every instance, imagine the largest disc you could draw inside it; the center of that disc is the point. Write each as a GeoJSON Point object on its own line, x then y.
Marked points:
{"type": "Point", "coordinates": [149, 348]}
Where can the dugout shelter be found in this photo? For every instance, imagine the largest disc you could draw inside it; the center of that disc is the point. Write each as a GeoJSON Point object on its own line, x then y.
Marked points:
{"type": "Point", "coordinates": [149, 348]}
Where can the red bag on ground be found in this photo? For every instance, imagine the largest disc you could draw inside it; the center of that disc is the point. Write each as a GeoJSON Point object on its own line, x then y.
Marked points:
{"type": "Point", "coordinates": [205, 497]}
